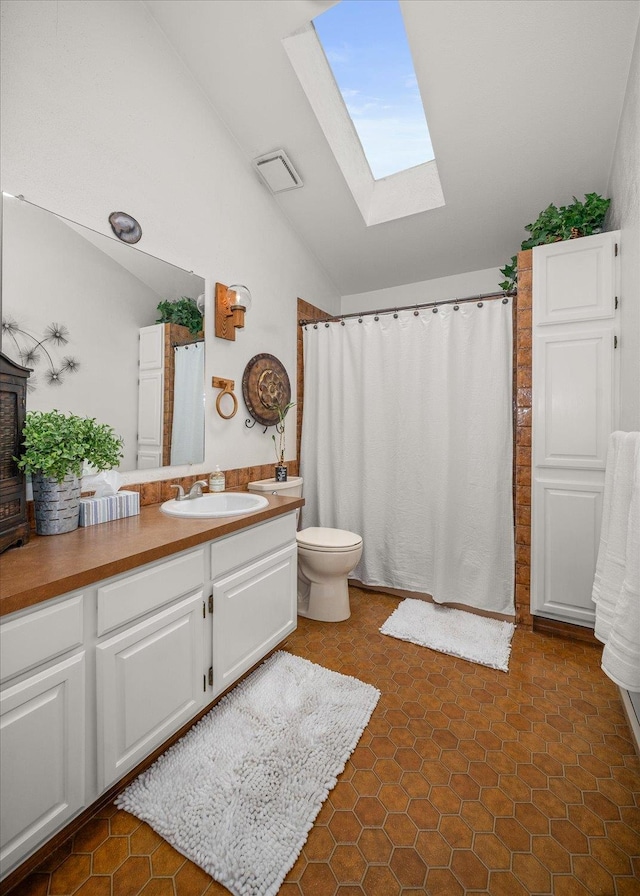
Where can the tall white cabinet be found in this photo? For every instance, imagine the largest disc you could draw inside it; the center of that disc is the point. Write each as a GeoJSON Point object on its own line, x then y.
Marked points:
{"type": "Point", "coordinates": [150, 396]}
{"type": "Point", "coordinates": [574, 410]}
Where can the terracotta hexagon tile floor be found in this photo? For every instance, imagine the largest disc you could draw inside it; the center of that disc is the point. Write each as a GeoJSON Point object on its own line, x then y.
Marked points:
{"type": "Point", "coordinates": [466, 781]}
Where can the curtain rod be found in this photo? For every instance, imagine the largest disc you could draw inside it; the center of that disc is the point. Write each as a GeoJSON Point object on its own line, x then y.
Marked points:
{"type": "Point", "coordinates": [415, 308]}
{"type": "Point", "coordinates": [187, 344]}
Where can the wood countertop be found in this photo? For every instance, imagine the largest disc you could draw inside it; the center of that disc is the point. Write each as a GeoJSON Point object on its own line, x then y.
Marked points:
{"type": "Point", "coordinates": [51, 565]}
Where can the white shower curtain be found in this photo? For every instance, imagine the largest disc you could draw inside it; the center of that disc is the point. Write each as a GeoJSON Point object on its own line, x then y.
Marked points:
{"type": "Point", "coordinates": [187, 433]}
{"type": "Point", "coordinates": [407, 440]}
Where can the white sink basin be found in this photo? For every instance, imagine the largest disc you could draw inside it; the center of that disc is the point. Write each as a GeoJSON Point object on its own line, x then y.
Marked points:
{"type": "Point", "coordinates": [215, 505]}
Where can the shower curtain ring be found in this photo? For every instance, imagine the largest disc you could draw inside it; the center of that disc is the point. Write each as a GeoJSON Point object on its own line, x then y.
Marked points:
{"type": "Point", "coordinates": [342, 323]}
{"type": "Point", "coordinates": [396, 313]}
{"type": "Point", "coordinates": [416, 313]}
{"type": "Point", "coordinates": [480, 304]}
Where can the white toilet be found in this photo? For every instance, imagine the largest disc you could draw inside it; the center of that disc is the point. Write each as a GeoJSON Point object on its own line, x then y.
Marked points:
{"type": "Point", "coordinates": [325, 559]}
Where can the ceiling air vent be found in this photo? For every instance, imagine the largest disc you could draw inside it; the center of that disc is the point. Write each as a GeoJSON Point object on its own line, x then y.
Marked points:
{"type": "Point", "coordinates": [277, 172]}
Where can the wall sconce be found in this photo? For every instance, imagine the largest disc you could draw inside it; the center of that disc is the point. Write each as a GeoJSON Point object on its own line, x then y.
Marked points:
{"type": "Point", "coordinates": [231, 304]}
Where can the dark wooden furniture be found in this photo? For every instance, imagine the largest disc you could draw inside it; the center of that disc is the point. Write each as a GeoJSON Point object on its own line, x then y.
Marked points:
{"type": "Point", "coordinates": [14, 525]}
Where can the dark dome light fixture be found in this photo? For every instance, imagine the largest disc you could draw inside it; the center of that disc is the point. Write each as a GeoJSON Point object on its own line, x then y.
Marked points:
{"type": "Point", "coordinates": [125, 227]}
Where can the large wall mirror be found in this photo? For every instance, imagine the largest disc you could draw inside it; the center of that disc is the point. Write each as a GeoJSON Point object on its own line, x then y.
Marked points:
{"type": "Point", "coordinates": [80, 309]}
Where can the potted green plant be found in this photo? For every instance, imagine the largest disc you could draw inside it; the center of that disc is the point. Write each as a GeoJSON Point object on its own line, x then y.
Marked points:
{"type": "Point", "coordinates": [183, 311]}
{"type": "Point", "coordinates": [279, 442]}
{"type": "Point", "coordinates": [553, 224]}
{"type": "Point", "coordinates": [56, 445]}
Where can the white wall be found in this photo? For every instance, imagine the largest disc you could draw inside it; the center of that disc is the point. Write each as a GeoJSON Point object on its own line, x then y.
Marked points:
{"type": "Point", "coordinates": [624, 215]}
{"type": "Point", "coordinates": [457, 286]}
{"type": "Point", "coordinates": [100, 115]}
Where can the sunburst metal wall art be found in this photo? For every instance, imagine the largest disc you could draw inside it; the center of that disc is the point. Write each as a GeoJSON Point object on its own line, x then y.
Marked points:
{"type": "Point", "coordinates": [32, 350]}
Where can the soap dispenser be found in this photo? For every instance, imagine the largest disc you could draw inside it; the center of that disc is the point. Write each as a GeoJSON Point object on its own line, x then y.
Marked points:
{"type": "Point", "coordinates": [216, 480]}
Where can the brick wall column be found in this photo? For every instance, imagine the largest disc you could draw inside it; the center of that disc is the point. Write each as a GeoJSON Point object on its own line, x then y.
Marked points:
{"type": "Point", "coordinates": [522, 462]}
{"type": "Point", "coordinates": [304, 311]}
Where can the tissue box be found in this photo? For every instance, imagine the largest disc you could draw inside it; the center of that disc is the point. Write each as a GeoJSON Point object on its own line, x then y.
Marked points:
{"type": "Point", "coordinates": [110, 507]}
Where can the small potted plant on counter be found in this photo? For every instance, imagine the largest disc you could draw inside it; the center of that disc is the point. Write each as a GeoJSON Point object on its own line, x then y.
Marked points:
{"type": "Point", "coordinates": [279, 442]}
{"type": "Point", "coordinates": [56, 445]}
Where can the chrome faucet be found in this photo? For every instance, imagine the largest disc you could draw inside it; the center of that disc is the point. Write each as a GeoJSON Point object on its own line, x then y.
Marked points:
{"type": "Point", "coordinates": [196, 489]}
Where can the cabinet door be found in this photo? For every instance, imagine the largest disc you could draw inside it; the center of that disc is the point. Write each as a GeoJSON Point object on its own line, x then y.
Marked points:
{"type": "Point", "coordinates": [150, 681]}
{"type": "Point", "coordinates": [575, 280]}
{"type": "Point", "coordinates": [151, 350]}
{"type": "Point", "coordinates": [566, 536]}
{"type": "Point", "coordinates": [150, 389]}
{"type": "Point", "coordinates": [574, 405]}
{"type": "Point", "coordinates": [42, 757]}
{"type": "Point", "coordinates": [253, 610]}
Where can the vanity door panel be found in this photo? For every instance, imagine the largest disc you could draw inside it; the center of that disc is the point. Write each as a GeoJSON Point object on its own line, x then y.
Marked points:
{"type": "Point", "coordinates": [253, 610]}
{"type": "Point", "coordinates": [42, 757]}
{"type": "Point", "coordinates": [151, 679]}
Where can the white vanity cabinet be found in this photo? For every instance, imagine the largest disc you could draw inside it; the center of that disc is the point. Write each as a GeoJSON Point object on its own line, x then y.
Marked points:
{"type": "Point", "coordinates": [42, 725]}
{"type": "Point", "coordinates": [254, 596]}
{"type": "Point", "coordinates": [93, 682]}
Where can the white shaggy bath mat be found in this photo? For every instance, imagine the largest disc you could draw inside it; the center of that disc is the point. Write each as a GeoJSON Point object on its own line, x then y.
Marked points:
{"type": "Point", "coordinates": [471, 637]}
{"type": "Point", "coordinates": [238, 794]}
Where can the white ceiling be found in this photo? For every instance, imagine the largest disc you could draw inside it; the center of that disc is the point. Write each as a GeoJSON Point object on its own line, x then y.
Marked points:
{"type": "Point", "coordinates": [523, 99]}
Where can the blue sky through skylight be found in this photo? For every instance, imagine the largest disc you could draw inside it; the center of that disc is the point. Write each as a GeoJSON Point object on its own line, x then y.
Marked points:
{"type": "Point", "coordinates": [366, 45]}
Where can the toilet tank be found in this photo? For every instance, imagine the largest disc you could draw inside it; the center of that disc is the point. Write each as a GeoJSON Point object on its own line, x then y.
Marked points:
{"type": "Point", "coordinates": [292, 488]}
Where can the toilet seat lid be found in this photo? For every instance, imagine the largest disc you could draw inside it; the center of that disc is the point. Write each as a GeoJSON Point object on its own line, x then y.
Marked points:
{"type": "Point", "coordinates": [318, 538]}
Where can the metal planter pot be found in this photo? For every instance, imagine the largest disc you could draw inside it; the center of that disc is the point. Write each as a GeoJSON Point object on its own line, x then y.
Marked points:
{"type": "Point", "coordinates": [56, 504]}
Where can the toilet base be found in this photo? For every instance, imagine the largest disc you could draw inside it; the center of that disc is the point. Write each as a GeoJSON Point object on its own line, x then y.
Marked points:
{"type": "Point", "coordinates": [327, 601]}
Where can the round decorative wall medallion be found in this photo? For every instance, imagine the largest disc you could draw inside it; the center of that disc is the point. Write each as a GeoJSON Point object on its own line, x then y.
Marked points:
{"type": "Point", "coordinates": [265, 387]}
{"type": "Point", "coordinates": [125, 227]}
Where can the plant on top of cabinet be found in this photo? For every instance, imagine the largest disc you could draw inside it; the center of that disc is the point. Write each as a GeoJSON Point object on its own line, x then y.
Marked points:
{"type": "Point", "coordinates": [183, 311]}
{"type": "Point", "coordinates": [555, 224]}
{"type": "Point", "coordinates": [56, 445]}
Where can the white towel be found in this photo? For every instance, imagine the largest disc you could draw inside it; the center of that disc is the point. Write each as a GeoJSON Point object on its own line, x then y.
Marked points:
{"type": "Point", "coordinates": [616, 587]}
{"type": "Point", "coordinates": [613, 450]}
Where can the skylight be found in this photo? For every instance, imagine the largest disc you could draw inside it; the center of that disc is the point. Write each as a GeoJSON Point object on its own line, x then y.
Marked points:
{"type": "Point", "coordinates": [366, 46]}
{"type": "Point", "coordinates": [411, 190]}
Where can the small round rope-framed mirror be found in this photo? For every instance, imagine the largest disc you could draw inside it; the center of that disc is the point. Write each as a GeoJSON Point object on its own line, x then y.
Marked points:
{"type": "Point", "coordinates": [265, 388]}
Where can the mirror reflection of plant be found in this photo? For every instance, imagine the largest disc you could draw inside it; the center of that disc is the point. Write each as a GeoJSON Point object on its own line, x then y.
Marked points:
{"type": "Point", "coordinates": [183, 311]}
{"type": "Point", "coordinates": [279, 442]}
{"type": "Point", "coordinates": [31, 353]}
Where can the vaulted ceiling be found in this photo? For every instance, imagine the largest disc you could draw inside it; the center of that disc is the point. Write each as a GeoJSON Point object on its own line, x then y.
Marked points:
{"type": "Point", "coordinates": [523, 99]}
